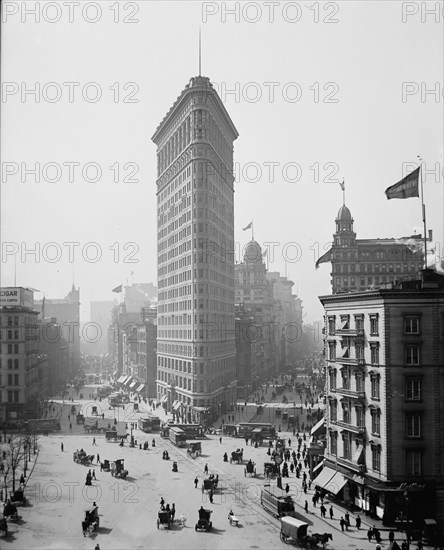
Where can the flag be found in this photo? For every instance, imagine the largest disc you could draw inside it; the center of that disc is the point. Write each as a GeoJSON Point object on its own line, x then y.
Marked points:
{"type": "Point", "coordinates": [406, 188]}
{"type": "Point", "coordinates": [118, 289]}
{"type": "Point", "coordinates": [248, 226]}
{"type": "Point", "coordinates": [342, 185]}
{"type": "Point", "coordinates": [325, 258]}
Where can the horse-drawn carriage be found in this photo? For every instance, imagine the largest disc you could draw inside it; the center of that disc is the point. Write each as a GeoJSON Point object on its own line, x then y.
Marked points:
{"type": "Point", "coordinates": [18, 497]}
{"type": "Point", "coordinates": [164, 519]}
{"type": "Point", "coordinates": [194, 449]}
{"type": "Point", "coordinates": [118, 469]}
{"type": "Point", "coordinates": [80, 419]}
{"type": "Point", "coordinates": [111, 436]}
{"type": "Point", "coordinates": [91, 521]}
{"type": "Point", "coordinates": [10, 511]}
{"type": "Point", "coordinates": [271, 469]}
{"type": "Point", "coordinates": [204, 522]}
{"type": "Point", "coordinates": [210, 484]}
{"type": "Point", "coordinates": [82, 458]}
{"type": "Point", "coordinates": [237, 456]}
{"type": "Point", "coordinates": [250, 469]}
{"type": "Point", "coordinates": [106, 467]}
{"type": "Point", "coordinates": [293, 531]}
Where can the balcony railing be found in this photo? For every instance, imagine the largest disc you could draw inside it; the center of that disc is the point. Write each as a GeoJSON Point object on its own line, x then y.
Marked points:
{"type": "Point", "coordinates": [351, 360]}
{"type": "Point", "coordinates": [358, 394]}
{"type": "Point", "coordinates": [350, 332]}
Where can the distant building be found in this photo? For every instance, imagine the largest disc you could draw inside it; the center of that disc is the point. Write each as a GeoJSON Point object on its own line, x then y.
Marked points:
{"type": "Point", "coordinates": [195, 226]}
{"type": "Point", "coordinates": [23, 368]}
{"type": "Point", "coordinates": [362, 264]}
{"type": "Point", "coordinates": [53, 345]}
{"type": "Point", "coordinates": [101, 316]}
{"type": "Point", "coordinates": [67, 313]}
{"type": "Point", "coordinates": [385, 406]}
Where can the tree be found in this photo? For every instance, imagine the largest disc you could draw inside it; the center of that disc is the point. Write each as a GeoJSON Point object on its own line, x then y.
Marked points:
{"type": "Point", "coordinates": [16, 449]}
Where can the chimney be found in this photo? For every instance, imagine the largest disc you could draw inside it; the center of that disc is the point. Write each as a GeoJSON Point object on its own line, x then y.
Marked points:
{"type": "Point", "coordinates": [430, 235]}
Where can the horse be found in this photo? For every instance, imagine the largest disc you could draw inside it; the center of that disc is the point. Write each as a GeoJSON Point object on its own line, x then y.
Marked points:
{"type": "Point", "coordinates": [323, 538]}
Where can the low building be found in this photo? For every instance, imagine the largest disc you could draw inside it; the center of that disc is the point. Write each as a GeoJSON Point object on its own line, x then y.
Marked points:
{"type": "Point", "coordinates": [385, 408]}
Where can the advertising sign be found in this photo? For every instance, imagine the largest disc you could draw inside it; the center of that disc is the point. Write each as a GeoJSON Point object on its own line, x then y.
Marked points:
{"type": "Point", "coordinates": [16, 296]}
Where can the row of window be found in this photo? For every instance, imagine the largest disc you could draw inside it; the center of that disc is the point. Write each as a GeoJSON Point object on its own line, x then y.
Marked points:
{"type": "Point", "coordinates": [376, 268]}
{"type": "Point", "coordinates": [412, 458]}
{"type": "Point", "coordinates": [411, 323]}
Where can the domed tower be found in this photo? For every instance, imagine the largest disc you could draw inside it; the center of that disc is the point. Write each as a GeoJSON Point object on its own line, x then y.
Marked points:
{"type": "Point", "coordinates": [344, 236]}
{"type": "Point", "coordinates": [253, 253]}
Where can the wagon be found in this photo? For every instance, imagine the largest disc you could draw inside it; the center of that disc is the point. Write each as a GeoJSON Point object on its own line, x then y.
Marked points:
{"type": "Point", "coordinates": [250, 469]}
{"type": "Point", "coordinates": [91, 521]}
{"type": "Point", "coordinates": [195, 449]}
{"type": "Point", "coordinates": [204, 523]}
{"type": "Point", "coordinates": [293, 531]}
{"type": "Point", "coordinates": [208, 484]}
{"type": "Point", "coordinates": [237, 456]}
{"type": "Point", "coordinates": [118, 470]}
{"type": "Point", "coordinates": [111, 436]}
{"type": "Point", "coordinates": [270, 469]}
{"type": "Point", "coordinates": [164, 519]}
{"type": "Point", "coordinates": [106, 465]}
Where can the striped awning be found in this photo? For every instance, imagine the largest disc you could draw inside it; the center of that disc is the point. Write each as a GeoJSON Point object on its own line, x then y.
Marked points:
{"type": "Point", "coordinates": [132, 385]}
{"type": "Point", "coordinates": [140, 388]}
{"type": "Point", "coordinates": [128, 380]}
{"type": "Point", "coordinates": [176, 405]}
{"type": "Point", "coordinates": [122, 379]}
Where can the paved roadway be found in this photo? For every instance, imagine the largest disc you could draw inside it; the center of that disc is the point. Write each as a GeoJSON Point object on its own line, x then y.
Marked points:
{"type": "Point", "coordinates": [128, 509]}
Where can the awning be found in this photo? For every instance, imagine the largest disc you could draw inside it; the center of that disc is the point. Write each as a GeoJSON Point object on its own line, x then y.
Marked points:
{"type": "Point", "coordinates": [132, 385]}
{"type": "Point", "coordinates": [357, 454]}
{"type": "Point", "coordinates": [318, 466]}
{"type": "Point", "coordinates": [176, 405]}
{"type": "Point", "coordinates": [336, 483]}
{"type": "Point", "coordinates": [140, 388]}
{"type": "Point", "coordinates": [122, 379]}
{"type": "Point", "coordinates": [128, 380]}
{"type": "Point", "coordinates": [324, 477]}
{"type": "Point", "coordinates": [318, 426]}
{"type": "Point", "coordinates": [164, 399]}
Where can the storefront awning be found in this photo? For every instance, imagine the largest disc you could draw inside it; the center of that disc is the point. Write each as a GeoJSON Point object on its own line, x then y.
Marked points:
{"type": "Point", "coordinates": [164, 399]}
{"type": "Point", "coordinates": [127, 380]}
{"type": "Point", "coordinates": [132, 385]}
{"type": "Point", "coordinates": [324, 477]}
{"type": "Point", "coordinates": [318, 466]}
{"type": "Point", "coordinates": [140, 388]}
{"type": "Point", "coordinates": [176, 405]}
{"type": "Point", "coordinates": [122, 379]}
{"type": "Point", "coordinates": [336, 483]}
{"type": "Point", "coordinates": [317, 427]}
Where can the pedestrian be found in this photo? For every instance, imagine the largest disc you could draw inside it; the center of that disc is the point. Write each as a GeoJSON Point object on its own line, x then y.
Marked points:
{"type": "Point", "coordinates": [211, 496]}
{"type": "Point", "coordinates": [22, 479]}
{"type": "Point", "coordinates": [342, 523]}
{"type": "Point", "coordinates": [306, 507]}
{"type": "Point", "coordinates": [196, 481]}
{"type": "Point", "coordinates": [98, 458]}
{"type": "Point", "coordinates": [370, 534]}
{"type": "Point", "coordinates": [94, 475]}
{"type": "Point", "coordinates": [61, 447]}
{"type": "Point", "coordinates": [97, 547]}
{"type": "Point", "coordinates": [220, 440]}
{"type": "Point", "coordinates": [391, 536]}
{"type": "Point", "coordinates": [287, 488]}
{"type": "Point", "coordinates": [347, 520]}
{"type": "Point", "coordinates": [358, 522]}
{"type": "Point", "coordinates": [289, 442]}
{"type": "Point", "coordinates": [314, 500]}
{"type": "Point", "coordinates": [162, 502]}
{"type": "Point", "coordinates": [69, 417]}
{"type": "Point", "coordinates": [206, 469]}
{"type": "Point", "coordinates": [331, 512]}
{"type": "Point", "coordinates": [70, 426]}
{"type": "Point", "coordinates": [94, 441]}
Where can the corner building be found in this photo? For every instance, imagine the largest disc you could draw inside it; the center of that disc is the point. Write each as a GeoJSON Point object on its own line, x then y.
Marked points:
{"type": "Point", "coordinates": [196, 353]}
{"type": "Point", "coordinates": [385, 409]}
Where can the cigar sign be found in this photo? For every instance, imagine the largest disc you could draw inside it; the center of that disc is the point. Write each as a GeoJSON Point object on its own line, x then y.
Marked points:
{"type": "Point", "coordinates": [16, 296]}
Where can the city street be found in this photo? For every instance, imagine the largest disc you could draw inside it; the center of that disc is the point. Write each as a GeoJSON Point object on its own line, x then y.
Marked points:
{"type": "Point", "coordinates": [128, 509]}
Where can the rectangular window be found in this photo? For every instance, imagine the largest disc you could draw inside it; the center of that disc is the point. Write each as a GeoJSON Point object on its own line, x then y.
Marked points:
{"type": "Point", "coordinates": [374, 353]}
{"type": "Point", "coordinates": [347, 447]}
{"type": "Point", "coordinates": [376, 458]}
{"type": "Point", "coordinates": [360, 386]}
{"type": "Point", "coordinates": [333, 443]}
{"type": "Point", "coordinates": [10, 393]}
{"type": "Point", "coordinates": [345, 322]}
{"type": "Point", "coordinates": [333, 410]}
{"type": "Point", "coordinates": [332, 351]}
{"type": "Point", "coordinates": [359, 322]}
{"type": "Point", "coordinates": [16, 348]}
{"type": "Point", "coordinates": [413, 425]}
{"type": "Point", "coordinates": [360, 417]}
{"type": "Point", "coordinates": [375, 387]}
{"type": "Point", "coordinates": [376, 421]}
{"type": "Point", "coordinates": [411, 325]}
{"type": "Point", "coordinates": [359, 352]}
{"type": "Point", "coordinates": [16, 396]}
{"type": "Point", "coordinates": [346, 416]}
{"type": "Point", "coordinates": [412, 355]}
{"type": "Point", "coordinates": [413, 460]}
{"type": "Point", "coordinates": [413, 389]}
{"type": "Point", "coordinates": [345, 378]}
{"type": "Point", "coordinates": [16, 321]}
{"type": "Point", "coordinates": [374, 325]}
{"type": "Point", "coordinates": [332, 377]}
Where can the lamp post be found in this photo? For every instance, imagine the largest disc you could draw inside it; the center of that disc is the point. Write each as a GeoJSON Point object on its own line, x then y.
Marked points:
{"type": "Point", "coordinates": [25, 459]}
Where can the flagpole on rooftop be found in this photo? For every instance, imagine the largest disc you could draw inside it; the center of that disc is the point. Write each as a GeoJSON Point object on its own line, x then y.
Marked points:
{"type": "Point", "coordinates": [423, 211]}
{"type": "Point", "coordinates": [252, 231]}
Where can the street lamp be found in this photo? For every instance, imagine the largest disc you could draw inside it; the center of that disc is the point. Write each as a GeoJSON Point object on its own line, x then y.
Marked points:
{"type": "Point", "coordinates": [25, 459]}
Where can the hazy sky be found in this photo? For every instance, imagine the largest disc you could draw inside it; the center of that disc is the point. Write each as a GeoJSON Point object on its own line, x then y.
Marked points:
{"type": "Point", "coordinates": [320, 92]}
